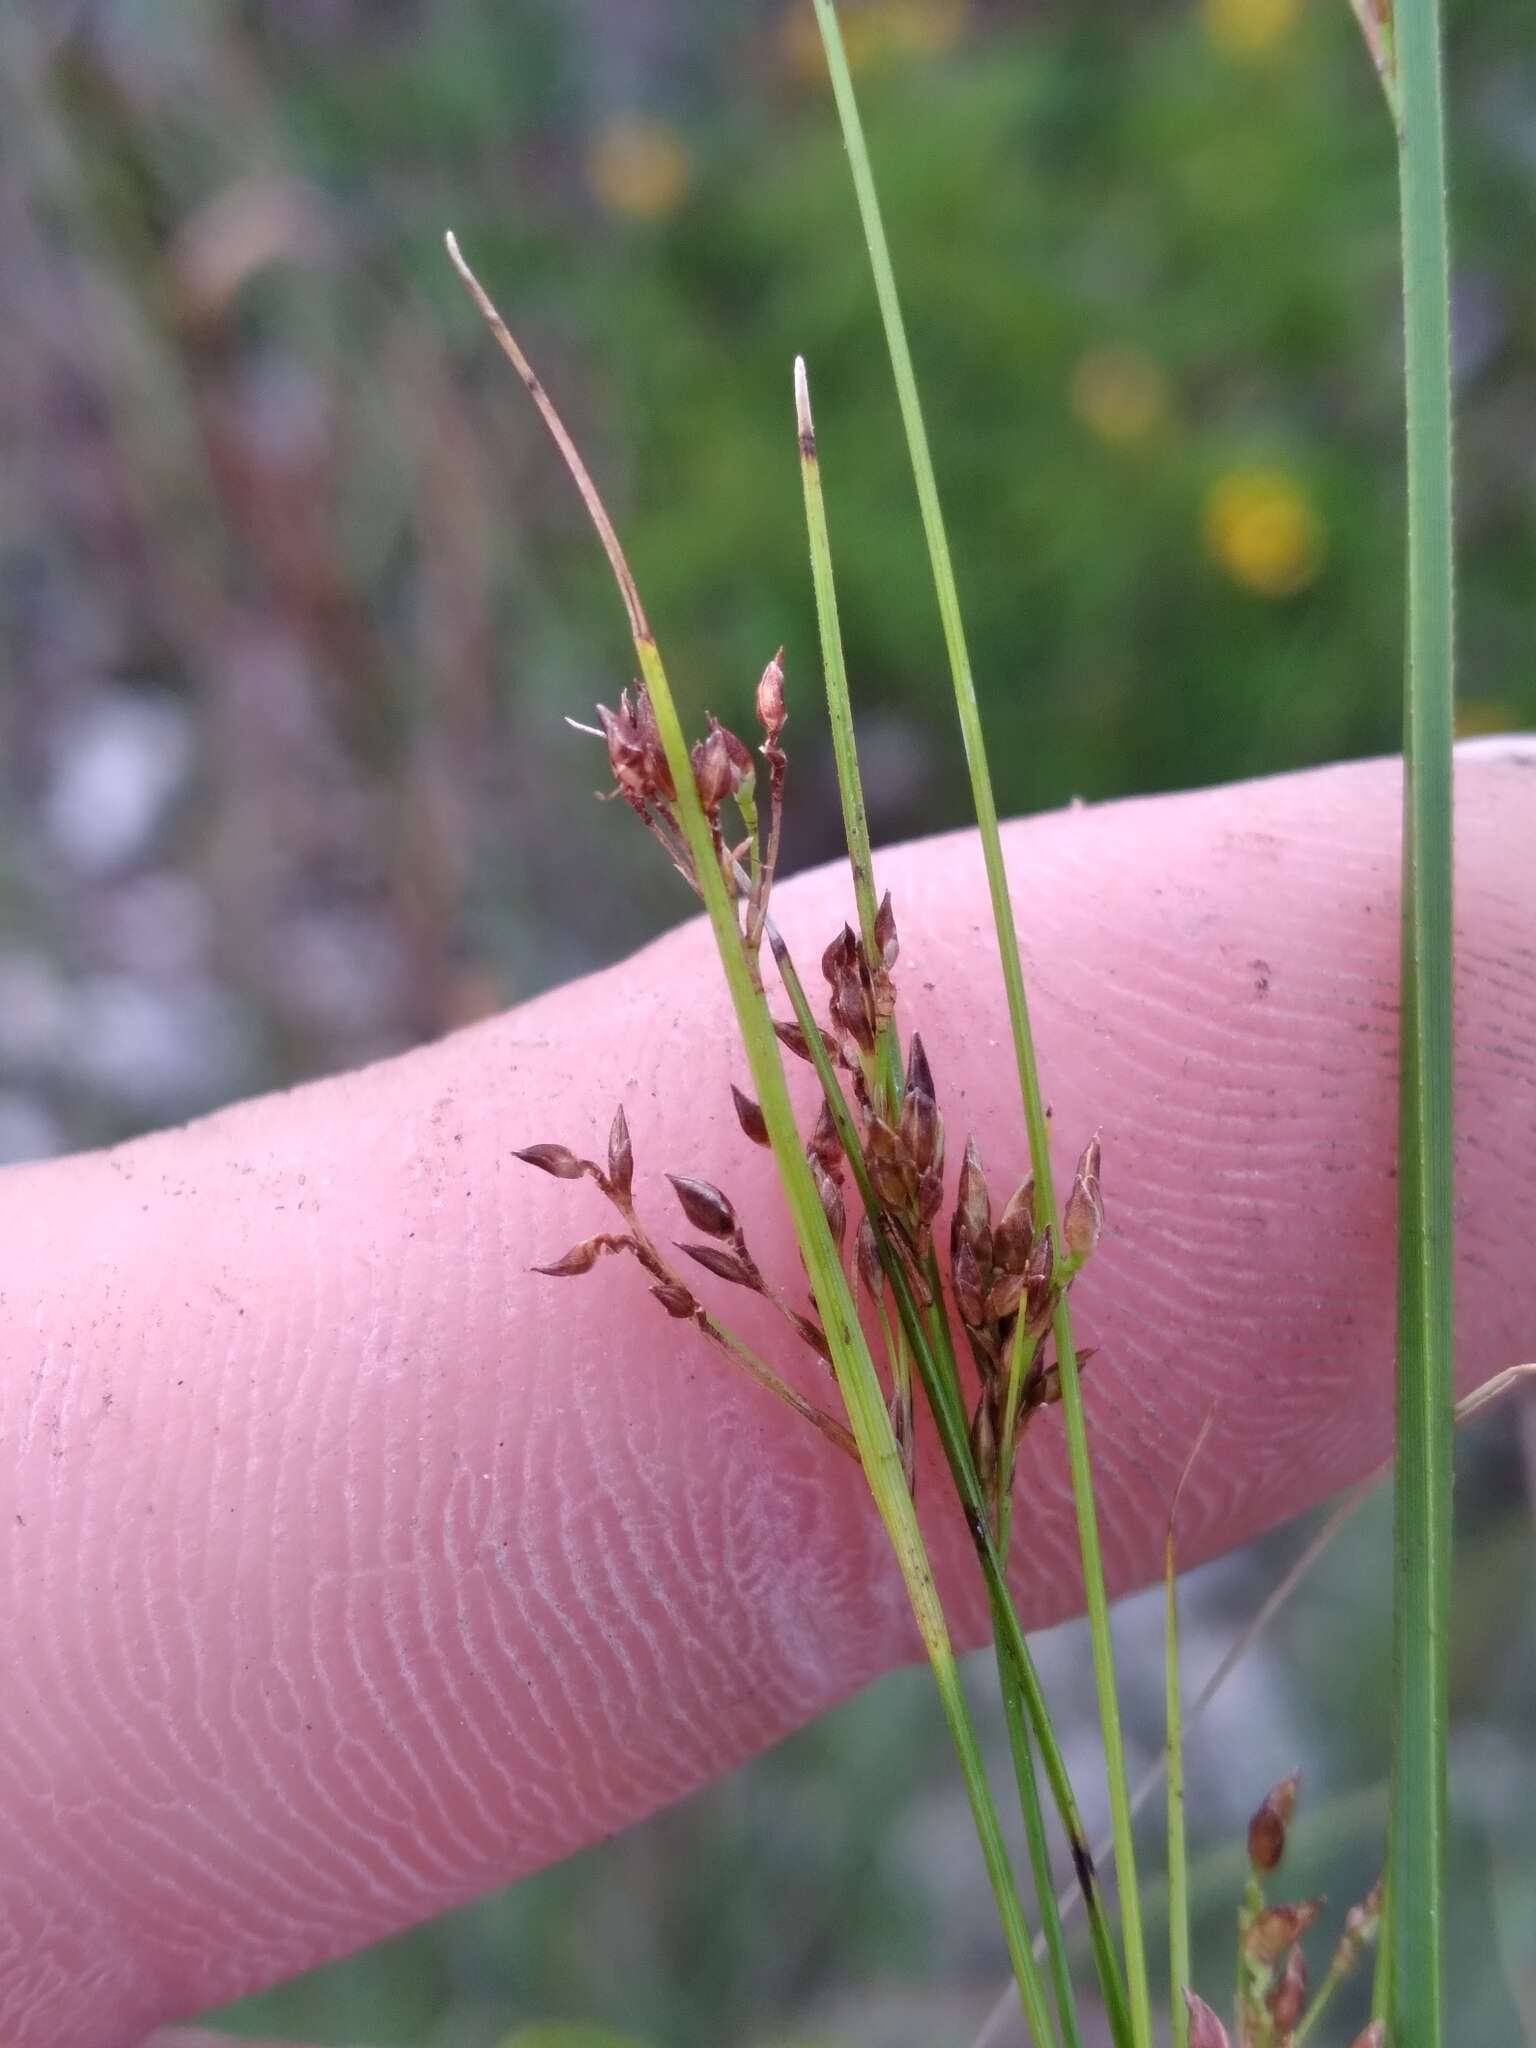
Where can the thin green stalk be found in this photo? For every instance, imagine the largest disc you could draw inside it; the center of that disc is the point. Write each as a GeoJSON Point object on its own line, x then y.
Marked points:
{"type": "Point", "coordinates": [1028, 1783]}
{"type": "Point", "coordinates": [1096, 1596]}
{"type": "Point", "coordinates": [850, 786]}
{"type": "Point", "coordinates": [1179, 1975]}
{"type": "Point", "coordinates": [1425, 1247]}
{"type": "Point", "coordinates": [852, 1363]}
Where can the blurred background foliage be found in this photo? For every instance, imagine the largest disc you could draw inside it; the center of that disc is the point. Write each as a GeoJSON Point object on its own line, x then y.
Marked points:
{"type": "Point", "coordinates": [293, 598]}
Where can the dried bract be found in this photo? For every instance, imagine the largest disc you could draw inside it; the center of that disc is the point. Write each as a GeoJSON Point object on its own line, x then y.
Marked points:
{"type": "Point", "coordinates": [1270, 1933]}
{"type": "Point", "coordinates": [871, 1272]}
{"type": "Point", "coordinates": [750, 1117]}
{"type": "Point", "coordinates": [1083, 1219]}
{"type": "Point", "coordinates": [1288, 1999]}
{"type": "Point", "coordinates": [885, 932]}
{"type": "Point", "coordinates": [725, 1265]}
{"type": "Point", "coordinates": [621, 1157]}
{"type": "Point", "coordinates": [1014, 1236]}
{"type": "Point", "coordinates": [789, 1034]}
{"type": "Point", "coordinates": [556, 1159]}
{"type": "Point", "coordinates": [1205, 2030]}
{"type": "Point", "coordinates": [973, 1204]}
{"type": "Point", "coordinates": [824, 1145]}
{"type": "Point", "coordinates": [581, 1258]}
{"type": "Point", "coordinates": [675, 1299]}
{"type": "Point", "coordinates": [984, 1442]}
{"type": "Point", "coordinates": [704, 1205]}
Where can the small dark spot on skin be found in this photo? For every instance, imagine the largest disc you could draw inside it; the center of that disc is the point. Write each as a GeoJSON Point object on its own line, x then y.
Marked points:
{"type": "Point", "coordinates": [1082, 1862]}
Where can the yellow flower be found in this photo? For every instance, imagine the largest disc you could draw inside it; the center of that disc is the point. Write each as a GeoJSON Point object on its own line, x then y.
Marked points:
{"type": "Point", "coordinates": [1118, 394]}
{"type": "Point", "coordinates": [1249, 30]}
{"type": "Point", "coordinates": [1476, 716]}
{"type": "Point", "coordinates": [1262, 529]}
{"type": "Point", "coordinates": [638, 168]}
{"type": "Point", "coordinates": [872, 30]}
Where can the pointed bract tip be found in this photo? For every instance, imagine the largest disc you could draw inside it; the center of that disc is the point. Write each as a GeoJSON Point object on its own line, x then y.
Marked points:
{"type": "Point", "coordinates": [1205, 2030]}
{"type": "Point", "coordinates": [802, 397]}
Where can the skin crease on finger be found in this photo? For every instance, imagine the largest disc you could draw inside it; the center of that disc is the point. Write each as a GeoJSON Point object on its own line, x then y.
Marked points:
{"type": "Point", "coordinates": [351, 1568]}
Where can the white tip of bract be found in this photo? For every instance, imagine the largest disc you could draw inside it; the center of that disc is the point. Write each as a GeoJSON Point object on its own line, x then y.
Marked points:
{"type": "Point", "coordinates": [802, 397]}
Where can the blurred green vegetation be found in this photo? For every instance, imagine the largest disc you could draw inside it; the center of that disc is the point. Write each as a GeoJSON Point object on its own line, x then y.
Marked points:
{"type": "Point", "coordinates": [270, 477]}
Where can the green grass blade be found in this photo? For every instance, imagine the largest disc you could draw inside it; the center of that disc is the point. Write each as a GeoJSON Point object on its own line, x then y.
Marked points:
{"type": "Point", "coordinates": [1178, 1853]}
{"type": "Point", "coordinates": [1179, 1975]}
{"type": "Point", "coordinates": [1425, 1389]}
{"type": "Point", "coordinates": [1096, 1597]}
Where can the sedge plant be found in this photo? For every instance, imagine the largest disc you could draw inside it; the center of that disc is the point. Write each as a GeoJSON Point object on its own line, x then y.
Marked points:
{"type": "Point", "coordinates": [984, 1333]}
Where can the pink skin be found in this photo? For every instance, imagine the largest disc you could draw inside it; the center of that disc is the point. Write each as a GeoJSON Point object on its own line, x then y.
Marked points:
{"type": "Point", "coordinates": [352, 1568]}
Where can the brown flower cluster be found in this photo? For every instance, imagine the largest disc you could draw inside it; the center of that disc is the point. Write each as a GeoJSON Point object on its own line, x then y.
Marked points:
{"type": "Point", "coordinates": [1272, 2001]}
{"type": "Point", "coordinates": [1006, 1276]}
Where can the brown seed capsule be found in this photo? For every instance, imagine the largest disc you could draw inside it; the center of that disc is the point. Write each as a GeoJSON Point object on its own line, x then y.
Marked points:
{"type": "Point", "coordinates": [626, 753]}
{"type": "Point", "coordinates": [825, 1146]}
{"type": "Point", "coordinates": [922, 1130]}
{"type": "Point", "coordinates": [890, 1165]}
{"type": "Point", "coordinates": [771, 715]}
{"type": "Point", "coordinates": [712, 771]}
{"type": "Point", "coordinates": [1271, 1932]}
{"type": "Point", "coordinates": [725, 1265]}
{"type": "Point", "coordinates": [675, 1299]}
{"type": "Point", "coordinates": [885, 932]}
{"type": "Point", "coordinates": [1266, 1830]}
{"type": "Point", "coordinates": [789, 1034]}
{"type": "Point", "coordinates": [750, 1117]}
{"type": "Point", "coordinates": [840, 957]}
{"type": "Point", "coordinates": [621, 1157]}
{"type": "Point", "coordinates": [930, 1195]}
{"type": "Point", "coordinates": [853, 1003]}
{"type": "Point", "coordinates": [657, 768]}
{"type": "Point", "coordinates": [1287, 2001]}
{"type": "Point", "coordinates": [1014, 1236]}
{"type": "Point", "coordinates": [555, 1159]}
{"type": "Point", "coordinates": [1205, 2030]}
{"type": "Point", "coordinates": [704, 1205]}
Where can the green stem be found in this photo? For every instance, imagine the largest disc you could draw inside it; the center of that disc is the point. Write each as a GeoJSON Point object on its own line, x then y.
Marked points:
{"type": "Point", "coordinates": [1425, 1393]}
{"type": "Point", "coordinates": [840, 715]}
{"type": "Point", "coordinates": [1179, 1975]}
{"type": "Point", "coordinates": [1095, 1592]}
